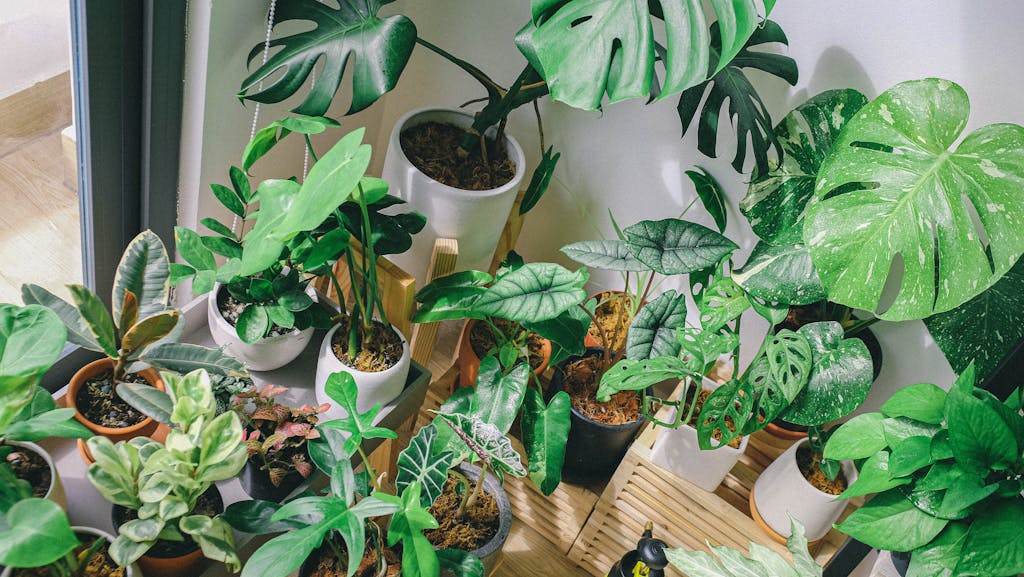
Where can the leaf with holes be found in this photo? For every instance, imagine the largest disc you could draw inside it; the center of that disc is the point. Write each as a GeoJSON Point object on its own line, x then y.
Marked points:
{"type": "Point", "coordinates": [839, 379]}
{"type": "Point", "coordinates": [775, 201]}
{"type": "Point", "coordinates": [725, 414]}
{"type": "Point", "coordinates": [891, 187]}
{"type": "Point", "coordinates": [536, 292]}
{"type": "Point", "coordinates": [605, 255]}
{"type": "Point", "coordinates": [653, 332]}
{"type": "Point", "coordinates": [781, 273]}
{"type": "Point", "coordinates": [418, 464]}
{"type": "Point", "coordinates": [672, 246]}
{"type": "Point", "coordinates": [701, 348]}
{"type": "Point", "coordinates": [630, 375]}
{"type": "Point", "coordinates": [721, 303]}
{"type": "Point", "coordinates": [746, 110]}
{"type": "Point", "coordinates": [377, 48]}
{"type": "Point", "coordinates": [710, 194]}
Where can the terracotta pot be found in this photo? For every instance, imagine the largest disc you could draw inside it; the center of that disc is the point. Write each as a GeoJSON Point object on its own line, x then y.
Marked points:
{"type": "Point", "coordinates": [781, 432]}
{"type": "Point", "coordinates": [469, 363]}
{"type": "Point", "coordinates": [55, 492]}
{"type": "Point", "coordinates": [144, 429]}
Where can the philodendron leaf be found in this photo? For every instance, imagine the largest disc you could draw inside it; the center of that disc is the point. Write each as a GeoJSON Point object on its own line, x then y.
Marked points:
{"type": "Point", "coordinates": [653, 331]}
{"type": "Point", "coordinates": [971, 333]}
{"type": "Point", "coordinates": [839, 380]}
{"type": "Point", "coordinates": [545, 430]}
{"type": "Point", "coordinates": [674, 246]}
{"type": "Point", "coordinates": [419, 464]}
{"type": "Point", "coordinates": [891, 522]}
{"type": "Point", "coordinates": [487, 442]}
{"type": "Point", "coordinates": [533, 293]}
{"type": "Point", "coordinates": [711, 195]}
{"type": "Point", "coordinates": [995, 543]}
{"type": "Point", "coordinates": [605, 255]}
{"type": "Point", "coordinates": [586, 49]}
{"type": "Point", "coordinates": [262, 247]}
{"type": "Point", "coordinates": [145, 272]}
{"type": "Point", "coordinates": [781, 273]}
{"type": "Point", "coordinates": [341, 388]}
{"type": "Point", "coordinates": [775, 201]}
{"type": "Point", "coordinates": [746, 110]}
{"type": "Point", "coordinates": [891, 186]}
{"type": "Point", "coordinates": [499, 395]}
{"type": "Point", "coordinates": [378, 49]}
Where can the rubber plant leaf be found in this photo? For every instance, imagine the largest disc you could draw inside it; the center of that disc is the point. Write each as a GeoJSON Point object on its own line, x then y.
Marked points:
{"type": "Point", "coordinates": [144, 271]}
{"type": "Point", "coordinates": [781, 273]}
{"type": "Point", "coordinates": [653, 331]}
{"type": "Point", "coordinates": [535, 292]}
{"type": "Point", "coordinates": [605, 255]}
{"type": "Point", "coordinates": [971, 333]}
{"type": "Point", "coordinates": [748, 113]}
{"type": "Point", "coordinates": [499, 394]}
{"type": "Point", "coordinates": [586, 48]}
{"type": "Point", "coordinates": [672, 246]}
{"type": "Point", "coordinates": [893, 188]}
{"type": "Point", "coordinates": [545, 429]}
{"type": "Point", "coordinates": [839, 380]}
{"type": "Point", "coordinates": [775, 201]}
{"type": "Point", "coordinates": [97, 318]}
{"type": "Point", "coordinates": [378, 49]}
{"type": "Point", "coordinates": [186, 357]}
{"type": "Point", "coordinates": [419, 465]}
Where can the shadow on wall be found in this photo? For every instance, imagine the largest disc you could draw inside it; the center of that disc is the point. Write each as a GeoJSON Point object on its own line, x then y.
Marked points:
{"type": "Point", "coordinates": [835, 68]}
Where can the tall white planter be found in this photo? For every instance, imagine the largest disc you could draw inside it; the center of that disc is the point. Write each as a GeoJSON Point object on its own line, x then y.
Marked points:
{"type": "Point", "coordinates": [380, 387]}
{"type": "Point", "coordinates": [677, 450]}
{"type": "Point", "coordinates": [782, 490]}
{"type": "Point", "coordinates": [473, 217]}
{"type": "Point", "coordinates": [265, 354]}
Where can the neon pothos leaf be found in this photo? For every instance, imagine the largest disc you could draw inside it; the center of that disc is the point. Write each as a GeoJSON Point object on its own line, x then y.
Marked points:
{"type": "Point", "coordinates": [341, 388]}
{"type": "Point", "coordinates": [892, 186]}
{"type": "Point", "coordinates": [535, 292]}
{"type": "Point", "coordinates": [487, 442]}
{"type": "Point", "coordinates": [587, 48]}
{"type": "Point", "coordinates": [418, 464]}
{"type": "Point", "coordinates": [544, 432]}
{"type": "Point", "coordinates": [710, 194]}
{"type": "Point", "coordinates": [672, 246]}
{"type": "Point", "coordinates": [839, 380]}
{"type": "Point", "coordinates": [378, 49]}
{"type": "Point", "coordinates": [746, 110]}
{"type": "Point", "coordinates": [653, 332]}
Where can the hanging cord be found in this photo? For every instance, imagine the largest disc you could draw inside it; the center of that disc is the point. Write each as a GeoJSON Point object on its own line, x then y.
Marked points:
{"type": "Point", "coordinates": [305, 149]}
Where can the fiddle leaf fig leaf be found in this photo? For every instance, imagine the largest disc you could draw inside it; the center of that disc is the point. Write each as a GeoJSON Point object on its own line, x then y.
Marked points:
{"type": "Point", "coordinates": [653, 331]}
{"type": "Point", "coordinates": [711, 195]}
{"type": "Point", "coordinates": [781, 273]}
{"type": "Point", "coordinates": [605, 255]}
{"type": "Point", "coordinates": [544, 432]}
{"type": "Point", "coordinates": [673, 246]}
{"type": "Point", "coordinates": [839, 378]}
{"type": "Point", "coordinates": [775, 201]}
{"type": "Point", "coordinates": [378, 49]}
{"type": "Point", "coordinates": [892, 186]}
{"type": "Point", "coordinates": [418, 464]}
{"type": "Point", "coordinates": [536, 292]}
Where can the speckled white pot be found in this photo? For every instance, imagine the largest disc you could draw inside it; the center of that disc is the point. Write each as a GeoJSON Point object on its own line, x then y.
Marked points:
{"type": "Point", "coordinates": [380, 387]}
{"type": "Point", "coordinates": [265, 354]}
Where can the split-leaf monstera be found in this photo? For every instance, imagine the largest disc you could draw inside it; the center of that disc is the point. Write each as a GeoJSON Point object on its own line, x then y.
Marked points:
{"type": "Point", "coordinates": [893, 187]}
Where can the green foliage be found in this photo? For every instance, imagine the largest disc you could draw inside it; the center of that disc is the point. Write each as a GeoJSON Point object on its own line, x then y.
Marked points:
{"type": "Point", "coordinates": [876, 197]}
{"type": "Point", "coordinates": [711, 195]}
{"type": "Point", "coordinates": [31, 340]}
{"type": "Point", "coordinates": [545, 429]}
{"type": "Point", "coordinates": [35, 533]}
{"type": "Point", "coordinates": [673, 246]}
{"type": "Point", "coordinates": [653, 330]}
{"type": "Point", "coordinates": [533, 293]}
{"type": "Point", "coordinates": [419, 464]}
{"type": "Point", "coordinates": [540, 180]}
{"type": "Point", "coordinates": [341, 388]}
{"type": "Point", "coordinates": [948, 476]}
{"type": "Point", "coordinates": [781, 273]}
{"type": "Point", "coordinates": [485, 442]}
{"type": "Point", "coordinates": [760, 560]}
{"type": "Point", "coordinates": [407, 527]}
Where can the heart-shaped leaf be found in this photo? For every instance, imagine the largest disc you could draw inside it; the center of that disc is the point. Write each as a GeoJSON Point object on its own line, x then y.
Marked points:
{"type": "Point", "coordinates": [891, 522]}
{"type": "Point", "coordinates": [487, 442]}
{"type": "Point", "coordinates": [653, 331]}
{"type": "Point", "coordinates": [499, 395]}
{"type": "Point", "coordinates": [533, 293]}
{"type": "Point", "coordinates": [419, 464]}
{"type": "Point", "coordinates": [674, 246]}
{"type": "Point", "coordinates": [35, 533]}
{"type": "Point", "coordinates": [605, 255]}
{"type": "Point", "coordinates": [544, 432]}
{"type": "Point", "coordinates": [839, 379]}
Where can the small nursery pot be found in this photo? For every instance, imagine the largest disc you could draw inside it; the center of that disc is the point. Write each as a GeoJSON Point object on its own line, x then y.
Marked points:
{"type": "Point", "coordinates": [469, 362]}
{"type": "Point", "coordinates": [678, 451]}
{"type": "Point", "coordinates": [256, 483]}
{"type": "Point", "coordinates": [265, 354]}
{"type": "Point", "coordinates": [55, 492]}
{"type": "Point", "coordinates": [593, 450]}
{"type": "Point", "coordinates": [380, 387]}
{"type": "Point", "coordinates": [782, 490]}
{"type": "Point", "coordinates": [182, 560]}
{"type": "Point", "coordinates": [490, 552]}
{"type": "Point", "coordinates": [130, 571]}
{"type": "Point", "coordinates": [146, 428]}
{"type": "Point", "coordinates": [475, 218]}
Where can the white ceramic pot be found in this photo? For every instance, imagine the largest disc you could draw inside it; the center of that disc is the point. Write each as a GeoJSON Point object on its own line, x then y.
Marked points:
{"type": "Point", "coordinates": [380, 387]}
{"type": "Point", "coordinates": [130, 571]}
{"type": "Point", "coordinates": [676, 450]}
{"type": "Point", "coordinates": [265, 354]}
{"type": "Point", "coordinates": [475, 218]}
{"type": "Point", "coordinates": [56, 491]}
{"type": "Point", "coordinates": [782, 491]}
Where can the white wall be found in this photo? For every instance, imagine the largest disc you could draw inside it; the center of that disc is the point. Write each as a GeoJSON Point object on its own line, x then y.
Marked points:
{"type": "Point", "coordinates": [629, 158]}
{"type": "Point", "coordinates": [34, 40]}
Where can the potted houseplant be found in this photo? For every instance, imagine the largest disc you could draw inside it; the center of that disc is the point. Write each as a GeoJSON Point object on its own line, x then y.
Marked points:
{"type": "Point", "coordinates": [276, 436]}
{"type": "Point", "coordinates": [946, 470]}
{"type": "Point", "coordinates": [166, 505]}
{"type": "Point", "coordinates": [139, 335]}
{"type": "Point", "coordinates": [760, 561]}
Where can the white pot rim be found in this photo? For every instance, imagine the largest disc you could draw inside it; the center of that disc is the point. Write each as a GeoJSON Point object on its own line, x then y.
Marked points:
{"type": "Point", "coordinates": [514, 150]}
{"type": "Point", "coordinates": [219, 317]}
{"type": "Point", "coordinates": [328, 338]}
{"type": "Point", "coordinates": [46, 457]}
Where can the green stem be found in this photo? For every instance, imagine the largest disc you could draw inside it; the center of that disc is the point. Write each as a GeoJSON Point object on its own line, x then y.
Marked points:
{"type": "Point", "coordinates": [465, 484]}
{"type": "Point", "coordinates": [370, 266]}
{"type": "Point", "coordinates": [309, 147]}
{"type": "Point", "coordinates": [736, 351]}
{"type": "Point", "coordinates": [478, 489]}
{"type": "Point", "coordinates": [369, 468]}
{"type": "Point", "coordinates": [338, 291]}
{"type": "Point", "coordinates": [860, 326]}
{"type": "Point", "coordinates": [479, 75]}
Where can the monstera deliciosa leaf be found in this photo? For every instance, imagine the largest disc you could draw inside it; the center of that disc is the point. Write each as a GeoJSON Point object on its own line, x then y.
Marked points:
{"type": "Point", "coordinates": [781, 273]}
{"type": "Point", "coordinates": [893, 187]}
{"type": "Point", "coordinates": [378, 49]}
{"type": "Point", "coordinates": [746, 110]}
{"type": "Point", "coordinates": [587, 48]}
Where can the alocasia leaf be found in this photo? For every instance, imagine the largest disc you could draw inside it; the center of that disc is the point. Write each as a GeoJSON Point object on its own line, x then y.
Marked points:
{"type": "Point", "coordinates": [605, 255]}
{"type": "Point", "coordinates": [487, 442]}
{"type": "Point", "coordinates": [535, 292]}
{"type": "Point", "coordinates": [499, 395]}
{"type": "Point", "coordinates": [545, 430]}
{"type": "Point", "coordinates": [892, 186]}
{"type": "Point", "coordinates": [378, 49]}
{"type": "Point", "coordinates": [419, 464]}
{"type": "Point", "coordinates": [672, 246]}
{"type": "Point", "coordinates": [746, 110]}
{"type": "Point", "coordinates": [653, 331]}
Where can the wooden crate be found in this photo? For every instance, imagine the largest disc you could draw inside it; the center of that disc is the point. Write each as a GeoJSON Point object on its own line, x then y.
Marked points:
{"type": "Point", "coordinates": [683, 514]}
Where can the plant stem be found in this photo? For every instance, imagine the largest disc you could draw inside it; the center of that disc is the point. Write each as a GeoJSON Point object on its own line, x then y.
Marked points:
{"type": "Point", "coordinates": [369, 468]}
{"type": "Point", "coordinates": [540, 126]}
{"type": "Point", "coordinates": [465, 484]}
{"type": "Point", "coordinates": [337, 290]}
{"type": "Point", "coordinates": [370, 266]}
{"type": "Point", "coordinates": [478, 489]}
{"type": "Point", "coordinates": [736, 351]}
{"type": "Point", "coordinates": [309, 147]}
{"type": "Point", "coordinates": [476, 73]}
{"type": "Point", "coordinates": [860, 325]}
{"type": "Point", "coordinates": [647, 289]}
{"type": "Point", "coordinates": [604, 340]}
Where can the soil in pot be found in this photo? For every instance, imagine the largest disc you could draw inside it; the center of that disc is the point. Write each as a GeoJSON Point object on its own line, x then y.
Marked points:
{"type": "Point", "coordinates": [613, 316]}
{"type": "Point", "coordinates": [99, 564]}
{"type": "Point", "coordinates": [434, 148]}
{"type": "Point", "coordinates": [100, 404]}
{"type": "Point", "coordinates": [208, 504]}
{"type": "Point", "coordinates": [809, 461]}
{"type": "Point", "coordinates": [381, 349]}
{"type": "Point", "coordinates": [323, 563]}
{"type": "Point", "coordinates": [581, 382]}
{"type": "Point", "coordinates": [231, 309]}
{"type": "Point", "coordinates": [482, 340]}
{"type": "Point", "coordinates": [477, 526]}
{"type": "Point", "coordinates": [695, 417]}
{"type": "Point", "coordinates": [29, 466]}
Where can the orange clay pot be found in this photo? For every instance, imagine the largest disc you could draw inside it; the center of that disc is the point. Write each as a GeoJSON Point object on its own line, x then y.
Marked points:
{"type": "Point", "coordinates": [187, 565]}
{"type": "Point", "coordinates": [786, 434]}
{"type": "Point", "coordinates": [469, 363]}
{"type": "Point", "coordinates": [146, 428]}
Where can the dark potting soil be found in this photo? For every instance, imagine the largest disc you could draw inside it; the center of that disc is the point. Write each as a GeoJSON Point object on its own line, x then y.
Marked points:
{"type": "Point", "coordinates": [434, 148]}
{"type": "Point", "coordinates": [808, 461]}
{"type": "Point", "coordinates": [478, 524]}
{"type": "Point", "coordinates": [581, 382]}
{"type": "Point", "coordinates": [230, 309]}
{"type": "Point", "coordinates": [695, 417]}
{"type": "Point", "coordinates": [98, 401]}
{"type": "Point", "coordinates": [381, 349]}
{"type": "Point", "coordinates": [206, 504]}
{"type": "Point", "coordinates": [327, 563]}
{"type": "Point", "coordinates": [613, 316]}
{"type": "Point", "coordinates": [481, 339]}
{"type": "Point", "coordinates": [99, 564]}
{"type": "Point", "coordinates": [29, 466]}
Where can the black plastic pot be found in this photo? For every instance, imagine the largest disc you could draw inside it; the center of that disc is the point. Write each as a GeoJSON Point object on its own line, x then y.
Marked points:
{"type": "Point", "coordinates": [593, 450]}
{"type": "Point", "coordinates": [900, 562]}
{"type": "Point", "coordinates": [256, 483]}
